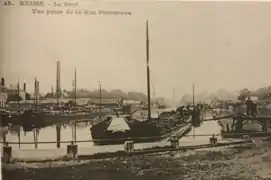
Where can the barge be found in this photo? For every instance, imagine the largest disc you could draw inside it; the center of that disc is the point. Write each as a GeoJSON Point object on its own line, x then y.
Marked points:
{"type": "Point", "coordinates": [117, 129]}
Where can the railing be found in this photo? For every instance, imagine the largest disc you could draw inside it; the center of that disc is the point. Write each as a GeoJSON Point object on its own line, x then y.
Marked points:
{"type": "Point", "coordinates": [138, 138]}
{"type": "Point", "coordinates": [72, 149]}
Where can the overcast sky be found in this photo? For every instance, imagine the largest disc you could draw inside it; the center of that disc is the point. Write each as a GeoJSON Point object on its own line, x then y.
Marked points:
{"type": "Point", "coordinates": [214, 45]}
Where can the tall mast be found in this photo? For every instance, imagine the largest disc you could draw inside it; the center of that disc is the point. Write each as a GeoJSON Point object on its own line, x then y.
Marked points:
{"type": "Point", "coordinates": [193, 89]}
{"type": "Point", "coordinates": [57, 81]}
{"type": "Point", "coordinates": [148, 71]}
{"type": "Point", "coordinates": [100, 87]}
{"type": "Point", "coordinates": [35, 84]}
{"type": "Point", "coordinates": [75, 88]}
{"type": "Point", "coordinates": [18, 89]}
{"type": "Point", "coordinates": [36, 94]}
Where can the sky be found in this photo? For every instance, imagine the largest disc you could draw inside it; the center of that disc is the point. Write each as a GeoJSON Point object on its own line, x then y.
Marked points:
{"type": "Point", "coordinates": [213, 45]}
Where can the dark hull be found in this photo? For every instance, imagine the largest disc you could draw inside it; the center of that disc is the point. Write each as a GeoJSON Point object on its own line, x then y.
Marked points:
{"type": "Point", "coordinates": [101, 135]}
{"type": "Point", "coordinates": [140, 132]}
{"type": "Point", "coordinates": [50, 118]}
{"type": "Point", "coordinates": [14, 119]}
{"type": "Point", "coordinates": [40, 120]}
{"type": "Point", "coordinates": [30, 120]}
{"type": "Point", "coordinates": [147, 139]}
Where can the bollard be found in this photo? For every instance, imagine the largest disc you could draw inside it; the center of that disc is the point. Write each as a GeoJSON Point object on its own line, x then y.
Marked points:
{"type": "Point", "coordinates": [228, 127]}
{"type": "Point", "coordinates": [246, 138]}
{"type": "Point", "coordinates": [213, 140]}
{"type": "Point", "coordinates": [58, 135]}
{"type": "Point", "coordinates": [129, 146]}
{"type": "Point", "coordinates": [72, 150]}
{"type": "Point", "coordinates": [174, 142]}
{"type": "Point", "coordinates": [7, 153]}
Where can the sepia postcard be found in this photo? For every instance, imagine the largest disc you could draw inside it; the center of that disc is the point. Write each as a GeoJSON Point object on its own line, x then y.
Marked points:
{"type": "Point", "coordinates": [111, 90]}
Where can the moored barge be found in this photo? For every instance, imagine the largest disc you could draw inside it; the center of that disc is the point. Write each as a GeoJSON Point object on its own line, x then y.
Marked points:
{"type": "Point", "coordinates": [117, 130]}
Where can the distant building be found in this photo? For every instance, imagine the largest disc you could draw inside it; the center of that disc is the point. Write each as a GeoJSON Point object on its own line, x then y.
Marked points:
{"type": "Point", "coordinates": [13, 90]}
{"type": "Point", "coordinates": [7, 93]}
{"type": "Point", "coordinates": [3, 96]}
{"type": "Point", "coordinates": [110, 103]}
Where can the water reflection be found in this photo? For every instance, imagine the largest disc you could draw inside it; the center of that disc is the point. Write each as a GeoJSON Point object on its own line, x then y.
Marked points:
{"type": "Point", "coordinates": [83, 133]}
{"type": "Point", "coordinates": [49, 134]}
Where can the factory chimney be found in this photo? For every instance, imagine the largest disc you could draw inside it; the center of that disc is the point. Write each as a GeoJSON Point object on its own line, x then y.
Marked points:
{"type": "Point", "coordinates": [2, 81]}
{"type": "Point", "coordinates": [24, 87]}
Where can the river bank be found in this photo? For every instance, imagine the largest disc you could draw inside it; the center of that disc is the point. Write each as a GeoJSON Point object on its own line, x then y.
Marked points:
{"type": "Point", "coordinates": [246, 161]}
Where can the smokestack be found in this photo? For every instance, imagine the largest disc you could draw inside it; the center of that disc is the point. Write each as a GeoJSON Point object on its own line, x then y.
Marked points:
{"type": "Point", "coordinates": [38, 89]}
{"type": "Point", "coordinates": [35, 89]}
{"type": "Point", "coordinates": [148, 71]}
{"type": "Point", "coordinates": [2, 81]}
{"type": "Point", "coordinates": [24, 87]}
{"type": "Point", "coordinates": [52, 90]}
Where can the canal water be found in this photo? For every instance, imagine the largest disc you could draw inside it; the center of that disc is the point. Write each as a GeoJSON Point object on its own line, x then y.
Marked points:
{"type": "Point", "coordinates": [83, 133]}
{"type": "Point", "coordinates": [49, 134]}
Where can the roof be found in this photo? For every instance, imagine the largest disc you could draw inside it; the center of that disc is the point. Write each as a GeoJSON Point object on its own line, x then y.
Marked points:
{"type": "Point", "coordinates": [113, 101]}
{"type": "Point", "coordinates": [253, 98]}
{"type": "Point", "coordinates": [79, 101]}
